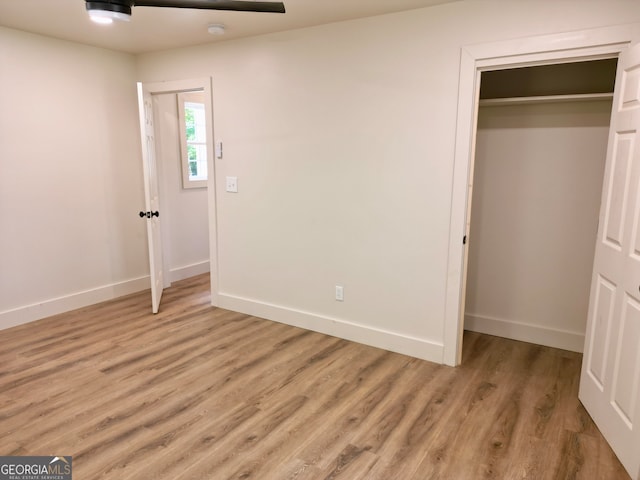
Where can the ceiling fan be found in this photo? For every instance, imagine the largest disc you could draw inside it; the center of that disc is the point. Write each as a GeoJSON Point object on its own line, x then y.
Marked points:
{"type": "Point", "coordinates": [109, 10]}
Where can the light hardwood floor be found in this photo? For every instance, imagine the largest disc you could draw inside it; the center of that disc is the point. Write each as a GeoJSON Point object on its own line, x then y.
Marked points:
{"type": "Point", "coordinates": [198, 393]}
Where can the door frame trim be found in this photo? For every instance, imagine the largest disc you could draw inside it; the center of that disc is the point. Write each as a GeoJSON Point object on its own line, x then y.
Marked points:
{"type": "Point", "coordinates": [530, 51]}
{"type": "Point", "coordinates": [200, 84]}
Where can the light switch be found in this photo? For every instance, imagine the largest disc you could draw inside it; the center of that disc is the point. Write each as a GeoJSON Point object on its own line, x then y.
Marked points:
{"type": "Point", "coordinates": [232, 184]}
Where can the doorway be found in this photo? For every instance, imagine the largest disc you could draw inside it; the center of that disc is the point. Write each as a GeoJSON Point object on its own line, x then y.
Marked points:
{"type": "Point", "coordinates": [149, 91]}
{"type": "Point", "coordinates": [543, 50]}
{"type": "Point", "coordinates": [185, 236]}
{"type": "Point", "coordinates": [541, 143]}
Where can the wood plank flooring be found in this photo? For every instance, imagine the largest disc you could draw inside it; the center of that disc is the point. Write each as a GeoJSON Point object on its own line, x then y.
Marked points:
{"type": "Point", "coordinates": [198, 393]}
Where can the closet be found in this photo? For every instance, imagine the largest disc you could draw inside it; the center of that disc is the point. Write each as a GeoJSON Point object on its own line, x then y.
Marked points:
{"type": "Point", "coordinates": [539, 162]}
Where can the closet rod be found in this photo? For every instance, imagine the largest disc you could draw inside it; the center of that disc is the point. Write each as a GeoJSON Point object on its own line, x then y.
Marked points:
{"type": "Point", "coordinates": [545, 99]}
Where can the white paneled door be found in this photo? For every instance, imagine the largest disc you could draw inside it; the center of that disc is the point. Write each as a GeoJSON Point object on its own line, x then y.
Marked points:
{"type": "Point", "coordinates": [610, 379]}
{"type": "Point", "coordinates": [145, 103]}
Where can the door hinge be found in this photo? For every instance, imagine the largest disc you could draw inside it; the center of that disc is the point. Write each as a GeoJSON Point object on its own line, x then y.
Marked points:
{"type": "Point", "coordinates": [464, 240]}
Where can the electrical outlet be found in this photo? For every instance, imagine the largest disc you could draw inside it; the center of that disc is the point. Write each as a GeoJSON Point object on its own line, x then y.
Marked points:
{"type": "Point", "coordinates": [339, 293]}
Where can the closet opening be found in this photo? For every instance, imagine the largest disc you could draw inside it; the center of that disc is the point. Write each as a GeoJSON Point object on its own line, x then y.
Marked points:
{"type": "Point", "coordinates": [535, 191]}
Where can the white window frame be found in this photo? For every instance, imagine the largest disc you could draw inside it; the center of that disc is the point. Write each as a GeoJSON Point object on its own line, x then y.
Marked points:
{"type": "Point", "coordinates": [183, 98]}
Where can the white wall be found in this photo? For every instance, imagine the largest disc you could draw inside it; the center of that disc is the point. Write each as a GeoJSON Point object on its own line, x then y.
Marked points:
{"type": "Point", "coordinates": [70, 177]}
{"type": "Point", "coordinates": [342, 137]}
{"type": "Point", "coordinates": [184, 211]}
{"type": "Point", "coordinates": [536, 199]}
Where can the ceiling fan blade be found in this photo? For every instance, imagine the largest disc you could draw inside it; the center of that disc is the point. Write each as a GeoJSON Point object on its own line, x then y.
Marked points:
{"type": "Point", "coordinates": [233, 5]}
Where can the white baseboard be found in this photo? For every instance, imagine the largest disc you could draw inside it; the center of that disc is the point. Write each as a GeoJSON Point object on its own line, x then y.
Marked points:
{"type": "Point", "coordinates": [395, 342]}
{"type": "Point", "coordinates": [189, 271]}
{"type": "Point", "coordinates": [525, 332]}
{"type": "Point", "coordinates": [54, 306]}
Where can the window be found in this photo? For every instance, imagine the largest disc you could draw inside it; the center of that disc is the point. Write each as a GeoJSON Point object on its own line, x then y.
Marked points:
{"type": "Point", "coordinates": [193, 139]}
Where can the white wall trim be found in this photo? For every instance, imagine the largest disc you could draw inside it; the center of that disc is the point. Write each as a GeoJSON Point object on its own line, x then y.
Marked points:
{"type": "Point", "coordinates": [561, 47]}
{"type": "Point", "coordinates": [54, 306]}
{"type": "Point", "coordinates": [395, 342]}
{"type": "Point", "coordinates": [526, 332]}
{"type": "Point", "coordinates": [188, 271]}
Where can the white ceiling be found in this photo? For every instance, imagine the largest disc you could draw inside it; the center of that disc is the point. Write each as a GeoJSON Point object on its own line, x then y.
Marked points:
{"type": "Point", "coordinates": [153, 29]}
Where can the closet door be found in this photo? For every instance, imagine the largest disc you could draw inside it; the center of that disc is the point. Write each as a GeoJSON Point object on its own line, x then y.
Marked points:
{"type": "Point", "coordinates": [610, 379]}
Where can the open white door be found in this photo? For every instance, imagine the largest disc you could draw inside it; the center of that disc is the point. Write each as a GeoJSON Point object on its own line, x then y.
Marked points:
{"type": "Point", "coordinates": [610, 379]}
{"type": "Point", "coordinates": [152, 214]}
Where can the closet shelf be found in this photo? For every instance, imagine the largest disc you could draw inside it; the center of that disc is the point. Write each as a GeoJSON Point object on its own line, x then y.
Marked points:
{"type": "Point", "coordinates": [544, 99]}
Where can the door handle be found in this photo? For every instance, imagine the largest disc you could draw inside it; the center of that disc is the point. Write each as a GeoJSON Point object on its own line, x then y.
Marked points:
{"type": "Point", "coordinates": [149, 214]}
